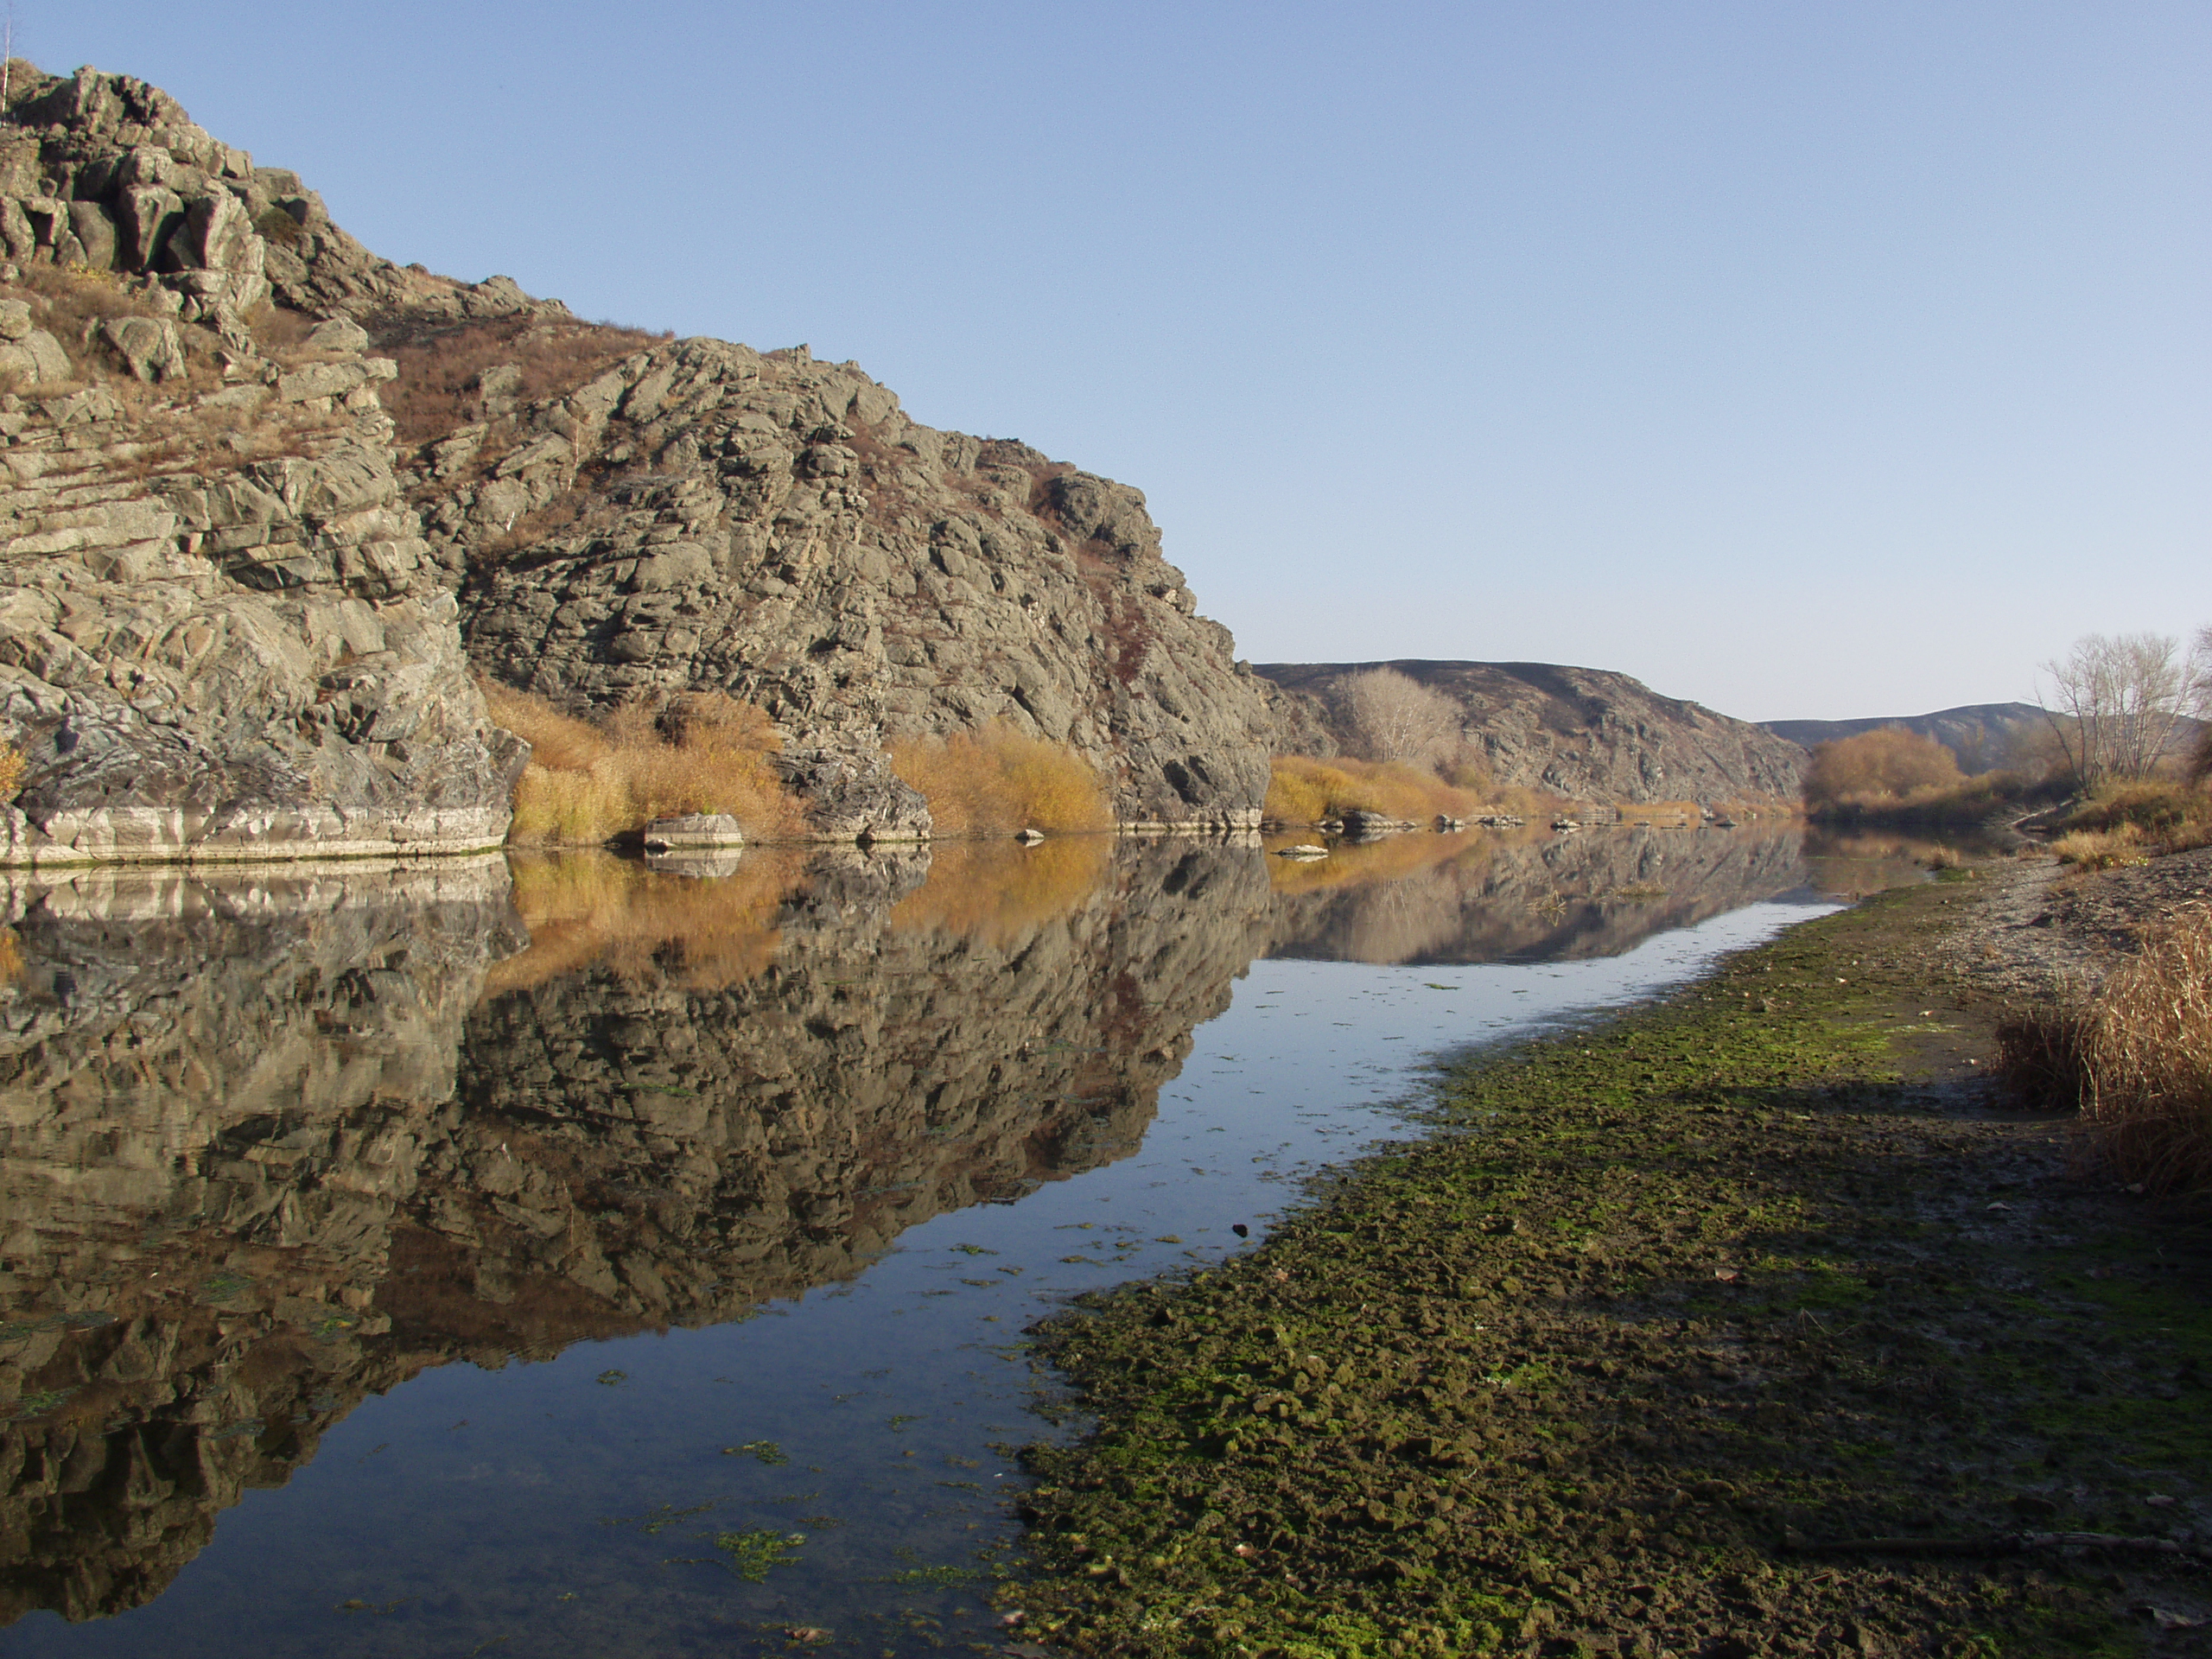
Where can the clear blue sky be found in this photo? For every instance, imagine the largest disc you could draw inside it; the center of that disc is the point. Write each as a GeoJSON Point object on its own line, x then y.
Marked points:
{"type": "Point", "coordinates": [1806, 360]}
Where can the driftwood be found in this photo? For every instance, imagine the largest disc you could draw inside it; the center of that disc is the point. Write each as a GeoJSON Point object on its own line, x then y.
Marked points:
{"type": "Point", "coordinates": [1995, 1543]}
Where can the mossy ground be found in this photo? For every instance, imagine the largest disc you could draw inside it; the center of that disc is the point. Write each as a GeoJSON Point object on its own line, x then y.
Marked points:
{"type": "Point", "coordinates": [1670, 1304]}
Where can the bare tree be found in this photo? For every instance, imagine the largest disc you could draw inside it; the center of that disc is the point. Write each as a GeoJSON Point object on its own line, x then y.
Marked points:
{"type": "Point", "coordinates": [1396, 717]}
{"type": "Point", "coordinates": [2118, 701]}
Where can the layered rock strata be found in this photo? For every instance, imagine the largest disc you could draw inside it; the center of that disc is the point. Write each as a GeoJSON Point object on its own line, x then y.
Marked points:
{"type": "Point", "coordinates": [1584, 734]}
{"type": "Point", "coordinates": [221, 632]}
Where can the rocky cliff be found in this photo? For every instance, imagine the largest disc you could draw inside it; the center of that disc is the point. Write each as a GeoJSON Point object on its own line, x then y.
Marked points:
{"type": "Point", "coordinates": [221, 632]}
{"type": "Point", "coordinates": [703, 515]}
{"type": "Point", "coordinates": [1581, 732]}
{"type": "Point", "coordinates": [241, 601]}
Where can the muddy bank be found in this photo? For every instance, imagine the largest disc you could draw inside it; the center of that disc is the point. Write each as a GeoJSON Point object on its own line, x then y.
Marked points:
{"type": "Point", "coordinates": [1685, 1305]}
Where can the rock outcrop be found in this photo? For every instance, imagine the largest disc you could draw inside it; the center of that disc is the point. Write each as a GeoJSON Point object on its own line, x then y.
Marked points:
{"type": "Point", "coordinates": [221, 633]}
{"type": "Point", "coordinates": [1581, 732]}
{"type": "Point", "coordinates": [703, 516]}
{"type": "Point", "coordinates": [225, 631]}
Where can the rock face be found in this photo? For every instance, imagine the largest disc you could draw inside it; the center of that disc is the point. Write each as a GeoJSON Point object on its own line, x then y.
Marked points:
{"type": "Point", "coordinates": [270, 1146]}
{"type": "Point", "coordinates": [1581, 732]}
{"type": "Point", "coordinates": [221, 633]}
{"type": "Point", "coordinates": [703, 516]}
{"type": "Point", "coordinates": [224, 633]}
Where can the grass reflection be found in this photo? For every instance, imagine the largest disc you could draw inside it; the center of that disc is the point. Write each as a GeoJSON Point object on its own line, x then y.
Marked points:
{"type": "Point", "coordinates": [584, 909]}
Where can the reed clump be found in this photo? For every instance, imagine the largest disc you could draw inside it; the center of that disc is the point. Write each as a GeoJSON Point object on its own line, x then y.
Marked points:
{"type": "Point", "coordinates": [998, 778]}
{"type": "Point", "coordinates": [2135, 1061]}
{"type": "Point", "coordinates": [592, 782]}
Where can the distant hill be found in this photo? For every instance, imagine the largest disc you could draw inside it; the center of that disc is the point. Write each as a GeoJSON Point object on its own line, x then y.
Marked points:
{"type": "Point", "coordinates": [1584, 733]}
{"type": "Point", "coordinates": [1981, 734]}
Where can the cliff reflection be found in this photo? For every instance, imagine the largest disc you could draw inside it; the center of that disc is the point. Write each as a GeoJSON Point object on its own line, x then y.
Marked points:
{"type": "Point", "coordinates": [267, 1146]}
{"type": "Point", "coordinates": [1524, 895]}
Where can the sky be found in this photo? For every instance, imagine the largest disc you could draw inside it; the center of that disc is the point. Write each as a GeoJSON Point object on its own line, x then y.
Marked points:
{"type": "Point", "coordinates": [1810, 361]}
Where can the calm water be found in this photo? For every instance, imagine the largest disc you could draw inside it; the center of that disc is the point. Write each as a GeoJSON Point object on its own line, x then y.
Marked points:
{"type": "Point", "coordinates": [570, 1258]}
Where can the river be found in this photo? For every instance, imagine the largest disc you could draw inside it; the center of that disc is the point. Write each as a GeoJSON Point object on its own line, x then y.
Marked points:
{"type": "Point", "coordinates": [555, 1256]}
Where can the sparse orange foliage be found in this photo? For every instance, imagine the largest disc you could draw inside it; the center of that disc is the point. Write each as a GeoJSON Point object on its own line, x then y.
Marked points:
{"type": "Point", "coordinates": [998, 778]}
{"type": "Point", "coordinates": [587, 784]}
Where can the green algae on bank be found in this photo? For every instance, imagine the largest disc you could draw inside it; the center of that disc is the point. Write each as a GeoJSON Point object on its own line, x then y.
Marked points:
{"type": "Point", "coordinates": [1670, 1304]}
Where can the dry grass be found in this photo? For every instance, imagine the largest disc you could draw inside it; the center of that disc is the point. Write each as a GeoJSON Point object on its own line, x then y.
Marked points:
{"type": "Point", "coordinates": [1304, 790]}
{"type": "Point", "coordinates": [2136, 1061]}
{"type": "Point", "coordinates": [998, 779]}
{"type": "Point", "coordinates": [435, 392]}
{"type": "Point", "coordinates": [591, 909]}
{"type": "Point", "coordinates": [12, 763]}
{"type": "Point", "coordinates": [589, 784]}
{"type": "Point", "coordinates": [2129, 823]}
{"type": "Point", "coordinates": [997, 892]}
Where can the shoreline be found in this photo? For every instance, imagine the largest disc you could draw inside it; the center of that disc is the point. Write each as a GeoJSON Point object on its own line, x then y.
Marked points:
{"type": "Point", "coordinates": [1672, 1306]}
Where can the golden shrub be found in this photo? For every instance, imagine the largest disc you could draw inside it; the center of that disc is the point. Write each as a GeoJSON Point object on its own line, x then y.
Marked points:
{"type": "Point", "coordinates": [2136, 1061]}
{"type": "Point", "coordinates": [1304, 790]}
{"type": "Point", "coordinates": [998, 778]}
{"type": "Point", "coordinates": [1889, 764]}
{"type": "Point", "coordinates": [589, 783]}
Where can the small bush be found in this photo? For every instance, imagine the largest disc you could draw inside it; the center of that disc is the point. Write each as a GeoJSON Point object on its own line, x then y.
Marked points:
{"type": "Point", "coordinates": [12, 763]}
{"type": "Point", "coordinates": [589, 784]}
{"type": "Point", "coordinates": [997, 778]}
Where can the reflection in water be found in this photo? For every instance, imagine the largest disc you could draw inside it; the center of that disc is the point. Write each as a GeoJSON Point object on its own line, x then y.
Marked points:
{"type": "Point", "coordinates": [261, 1156]}
{"type": "Point", "coordinates": [1525, 896]}
{"type": "Point", "coordinates": [272, 1144]}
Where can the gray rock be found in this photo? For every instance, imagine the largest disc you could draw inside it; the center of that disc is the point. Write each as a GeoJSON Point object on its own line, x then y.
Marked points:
{"type": "Point", "coordinates": [693, 831]}
{"type": "Point", "coordinates": [148, 348]}
{"type": "Point", "coordinates": [95, 228]}
{"type": "Point", "coordinates": [853, 797]}
{"type": "Point", "coordinates": [338, 334]}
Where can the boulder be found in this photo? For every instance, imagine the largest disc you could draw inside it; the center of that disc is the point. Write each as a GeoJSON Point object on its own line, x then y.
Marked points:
{"type": "Point", "coordinates": [694, 831]}
{"type": "Point", "coordinates": [147, 348]}
{"type": "Point", "coordinates": [854, 797]}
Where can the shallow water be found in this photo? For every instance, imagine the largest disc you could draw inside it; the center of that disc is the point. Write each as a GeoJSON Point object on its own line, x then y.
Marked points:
{"type": "Point", "coordinates": [595, 1261]}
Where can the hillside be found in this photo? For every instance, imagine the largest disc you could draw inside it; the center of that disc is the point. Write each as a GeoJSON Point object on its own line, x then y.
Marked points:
{"type": "Point", "coordinates": [1582, 733]}
{"type": "Point", "coordinates": [269, 503]}
{"type": "Point", "coordinates": [1981, 734]}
